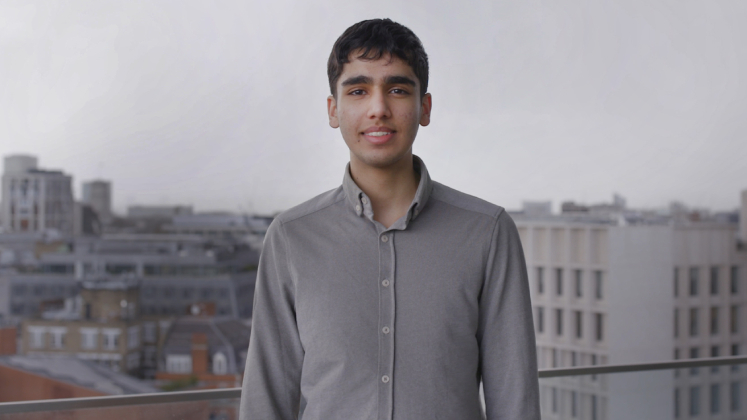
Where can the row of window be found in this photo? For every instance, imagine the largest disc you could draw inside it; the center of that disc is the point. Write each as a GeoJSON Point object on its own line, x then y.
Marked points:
{"type": "Point", "coordinates": [181, 310]}
{"type": "Point", "coordinates": [714, 280]}
{"type": "Point", "coordinates": [574, 403]}
{"type": "Point", "coordinates": [556, 358]}
{"type": "Point", "coordinates": [714, 399]}
{"type": "Point", "coordinates": [715, 351]}
{"type": "Point", "coordinates": [577, 282]}
{"type": "Point", "coordinates": [89, 338]}
{"type": "Point", "coordinates": [185, 292]}
{"type": "Point", "coordinates": [715, 320]}
{"type": "Point", "coordinates": [577, 323]}
{"type": "Point", "coordinates": [56, 290]}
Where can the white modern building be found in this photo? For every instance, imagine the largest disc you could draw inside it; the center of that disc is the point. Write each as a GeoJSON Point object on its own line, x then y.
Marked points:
{"type": "Point", "coordinates": [608, 292]}
{"type": "Point", "coordinates": [33, 199]}
{"type": "Point", "coordinates": [98, 195]}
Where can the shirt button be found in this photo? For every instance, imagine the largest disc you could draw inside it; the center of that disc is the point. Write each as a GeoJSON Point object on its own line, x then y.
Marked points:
{"type": "Point", "coordinates": [364, 200]}
{"type": "Point", "coordinates": [385, 283]}
{"type": "Point", "coordinates": [358, 208]}
{"type": "Point", "coordinates": [384, 238]}
{"type": "Point", "coordinates": [385, 330]}
{"type": "Point", "coordinates": [385, 379]}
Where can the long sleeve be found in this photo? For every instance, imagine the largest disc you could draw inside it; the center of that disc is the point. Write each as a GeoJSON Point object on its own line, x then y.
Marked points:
{"type": "Point", "coordinates": [506, 332]}
{"type": "Point", "coordinates": [271, 387]}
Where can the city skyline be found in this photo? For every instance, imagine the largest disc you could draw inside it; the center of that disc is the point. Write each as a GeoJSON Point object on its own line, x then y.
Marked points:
{"type": "Point", "coordinates": [222, 109]}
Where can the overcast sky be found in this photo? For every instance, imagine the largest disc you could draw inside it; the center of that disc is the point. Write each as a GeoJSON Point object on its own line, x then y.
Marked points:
{"type": "Point", "coordinates": [222, 105]}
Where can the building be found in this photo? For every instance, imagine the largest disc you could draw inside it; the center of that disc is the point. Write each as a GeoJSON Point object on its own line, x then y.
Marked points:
{"type": "Point", "coordinates": [35, 200]}
{"type": "Point", "coordinates": [39, 377]}
{"type": "Point", "coordinates": [98, 195]}
{"type": "Point", "coordinates": [101, 324]}
{"type": "Point", "coordinates": [175, 271]}
{"type": "Point", "coordinates": [204, 352]}
{"type": "Point", "coordinates": [622, 287]}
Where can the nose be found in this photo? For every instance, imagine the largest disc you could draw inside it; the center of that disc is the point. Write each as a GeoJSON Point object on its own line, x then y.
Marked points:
{"type": "Point", "coordinates": [378, 107]}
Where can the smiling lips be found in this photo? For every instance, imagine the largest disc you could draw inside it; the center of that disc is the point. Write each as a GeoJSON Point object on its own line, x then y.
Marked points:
{"type": "Point", "coordinates": [378, 135]}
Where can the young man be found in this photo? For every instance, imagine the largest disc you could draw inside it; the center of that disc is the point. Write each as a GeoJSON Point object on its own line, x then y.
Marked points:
{"type": "Point", "coordinates": [392, 296]}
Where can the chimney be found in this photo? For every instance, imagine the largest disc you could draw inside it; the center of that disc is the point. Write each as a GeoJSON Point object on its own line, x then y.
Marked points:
{"type": "Point", "coordinates": [199, 353]}
{"type": "Point", "coordinates": [7, 340]}
{"type": "Point", "coordinates": [743, 218]}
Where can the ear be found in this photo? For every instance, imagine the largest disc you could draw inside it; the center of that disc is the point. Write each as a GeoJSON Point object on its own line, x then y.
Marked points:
{"type": "Point", "coordinates": [425, 109]}
{"type": "Point", "coordinates": [334, 122]}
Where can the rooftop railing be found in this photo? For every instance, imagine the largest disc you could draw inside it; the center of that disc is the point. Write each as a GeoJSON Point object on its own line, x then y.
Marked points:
{"type": "Point", "coordinates": [204, 404]}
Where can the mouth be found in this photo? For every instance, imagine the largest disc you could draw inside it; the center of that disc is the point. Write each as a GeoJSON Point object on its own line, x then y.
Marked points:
{"type": "Point", "coordinates": [378, 135]}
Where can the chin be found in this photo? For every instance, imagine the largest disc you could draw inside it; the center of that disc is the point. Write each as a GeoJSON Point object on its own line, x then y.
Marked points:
{"type": "Point", "coordinates": [380, 160]}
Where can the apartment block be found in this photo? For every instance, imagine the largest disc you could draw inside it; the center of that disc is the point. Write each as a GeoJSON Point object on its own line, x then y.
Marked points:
{"type": "Point", "coordinates": [609, 291]}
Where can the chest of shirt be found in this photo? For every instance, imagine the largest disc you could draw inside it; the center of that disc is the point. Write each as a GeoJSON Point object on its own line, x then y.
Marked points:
{"type": "Point", "coordinates": [429, 276]}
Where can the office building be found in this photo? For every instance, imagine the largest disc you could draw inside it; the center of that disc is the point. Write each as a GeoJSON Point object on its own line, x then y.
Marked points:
{"type": "Point", "coordinates": [35, 200]}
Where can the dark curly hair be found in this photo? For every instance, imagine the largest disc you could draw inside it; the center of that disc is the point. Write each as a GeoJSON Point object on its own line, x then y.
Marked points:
{"type": "Point", "coordinates": [375, 38]}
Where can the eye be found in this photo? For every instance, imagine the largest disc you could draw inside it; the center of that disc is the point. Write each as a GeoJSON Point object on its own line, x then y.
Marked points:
{"type": "Point", "coordinates": [399, 91]}
{"type": "Point", "coordinates": [356, 92]}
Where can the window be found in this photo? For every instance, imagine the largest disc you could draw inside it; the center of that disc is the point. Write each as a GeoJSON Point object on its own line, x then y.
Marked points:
{"type": "Point", "coordinates": [554, 400]}
{"type": "Point", "coordinates": [579, 323]}
{"type": "Point", "coordinates": [593, 407]}
{"type": "Point", "coordinates": [540, 319]}
{"type": "Point", "coordinates": [111, 338]}
{"type": "Point", "coordinates": [593, 363]}
{"type": "Point", "coordinates": [559, 281]}
{"type": "Point", "coordinates": [187, 293]}
{"type": "Point", "coordinates": [599, 326]}
{"type": "Point", "coordinates": [734, 317]}
{"type": "Point", "coordinates": [714, 320]}
{"type": "Point", "coordinates": [133, 337]}
{"type": "Point", "coordinates": [715, 352]}
{"type": "Point", "coordinates": [676, 323]}
{"type": "Point", "coordinates": [694, 354]}
{"type": "Point", "coordinates": [574, 359]}
{"type": "Point", "coordinates": [36, 337]}
{"type": "Point", "coordinates": [554, 358]}
{"type": "Point", "coordinates": [693, 322]}
{"type": "Point", "coordinates": [676, 282]}
{"type": "Point", "coordinates": [598, 280]}
{"type": "Point", "coordinates": [734, 396]}
{"type": "Point", "coordinates": [579, 284]}
{"type": "Point", "coordinates": [693, 281]}
{"type": "Point", "coordinates": [733, 281]}
{"type": "Point", "coordinates": [220, 364]}
{"type": "Point", "coordinates": [694, 400]}
{"type": "Point", "coordinates": [89, 338]}
{"type": "Point", "coordinates": [179, 363]}
{"type": "Point", "coordinates": [559, 322]}
{"type": "Point", "coordinates": [676, 354]}
{"type": "Point", "coordinates": [735, 352]}
{"type": "Point", "coordinates": [714, 280]}
{"type": "Point", "coordinates": [574, 404]}
{"type": "Point", "coordinates": [676, 403]}
{"type": "Point", "coordinates": [58, 337]}
{"type": "Point", "coordinates": [540, 281]}
{"type": "Point", "coordinates": [715, 398]}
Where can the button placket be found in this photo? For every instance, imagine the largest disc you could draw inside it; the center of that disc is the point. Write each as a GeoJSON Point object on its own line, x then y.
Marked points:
{"type": "Point", "coordinates": [386, 324]}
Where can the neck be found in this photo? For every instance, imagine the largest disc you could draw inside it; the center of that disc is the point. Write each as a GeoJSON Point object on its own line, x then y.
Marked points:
{"type": "Point", "coordinates": [391, 189]}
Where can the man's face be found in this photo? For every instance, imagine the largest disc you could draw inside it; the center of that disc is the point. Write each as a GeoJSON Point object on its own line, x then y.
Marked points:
{"type": "Point", "coordinates": [378, 109]}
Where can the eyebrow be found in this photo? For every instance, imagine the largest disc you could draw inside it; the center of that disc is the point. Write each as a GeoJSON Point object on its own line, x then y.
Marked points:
{"type": "Point", "coordinates": [357, 80]}
{"type": "Point", "coordinates": [389, 80]}
{"type": "Point", "coordinates": [399, 80]}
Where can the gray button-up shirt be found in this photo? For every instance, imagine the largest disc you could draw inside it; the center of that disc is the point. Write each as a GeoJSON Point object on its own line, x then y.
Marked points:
{"type": "Point", "coordinates": [354, 321]}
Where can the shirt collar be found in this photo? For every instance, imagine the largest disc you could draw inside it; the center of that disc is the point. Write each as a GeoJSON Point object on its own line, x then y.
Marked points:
{"type": "Point", "coordinates": [361, 205]}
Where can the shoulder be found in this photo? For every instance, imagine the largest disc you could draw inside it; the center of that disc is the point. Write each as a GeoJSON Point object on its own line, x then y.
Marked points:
{"type": "Point", "coordinates": [465, 202]}
{"type": "Point", "coordinates": [315, 205]}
